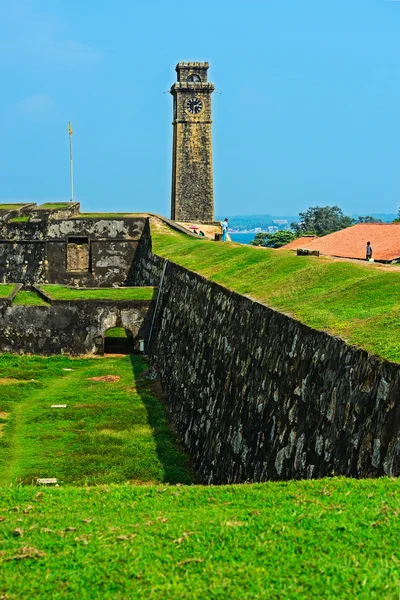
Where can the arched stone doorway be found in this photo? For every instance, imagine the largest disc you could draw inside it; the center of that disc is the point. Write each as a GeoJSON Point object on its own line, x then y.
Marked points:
{"type": "Point", "coordinates": [118, 340]}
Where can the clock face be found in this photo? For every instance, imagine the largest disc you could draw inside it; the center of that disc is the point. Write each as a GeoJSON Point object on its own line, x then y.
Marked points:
{"type": "Point", "coordinates": [194, 106]}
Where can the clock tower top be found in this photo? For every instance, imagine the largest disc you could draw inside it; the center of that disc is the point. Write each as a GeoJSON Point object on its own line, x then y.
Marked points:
{"type": "Point", "coordinates": [192, 72]}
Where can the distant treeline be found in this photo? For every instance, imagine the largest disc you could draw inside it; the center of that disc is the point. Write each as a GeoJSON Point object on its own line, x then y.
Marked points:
{"type": "Point", "coordinates": [264, 221]}
{"type": "Point", "coordinates": [252, 221]}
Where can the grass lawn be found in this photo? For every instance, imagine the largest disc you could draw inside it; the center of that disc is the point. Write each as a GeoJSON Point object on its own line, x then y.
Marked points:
{"type": "Point", "coordinates": [104, 215]}
{"type": "Point", "coordinates": [328, 539]}
{"type": "Point", "coordinates": [19, 220]}
{"type": "Point", "coordinates": [52, 205]}
{"type": "Point", "coordinates": [60, 292]}
{"type": "Point", "coordinates": [358, 302]}
{"type": "Point", "coordinates": [110, 431]}
{"type": "Point", "coordinates": [29, 299]}
{"type": "Point", "coordinates": [11, 206]}
{"type": "Point", "coordinates": [6, 289]}
{"type": "Point", "coordinates": [118, 332]}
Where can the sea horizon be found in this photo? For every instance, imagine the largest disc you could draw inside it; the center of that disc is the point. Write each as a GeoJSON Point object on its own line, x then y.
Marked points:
{"type": "Point", "coordinates": [242, 238]}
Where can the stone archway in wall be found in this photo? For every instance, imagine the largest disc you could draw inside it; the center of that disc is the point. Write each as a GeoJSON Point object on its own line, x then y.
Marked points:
{"type": "Point", "coordinates": [123, 330]}
{"type": "Point", "coordinates": [118, 340]}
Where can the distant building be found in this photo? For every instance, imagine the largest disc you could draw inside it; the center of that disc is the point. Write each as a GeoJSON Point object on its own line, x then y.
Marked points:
{"type": "Point", "coordinates": [351, 242]}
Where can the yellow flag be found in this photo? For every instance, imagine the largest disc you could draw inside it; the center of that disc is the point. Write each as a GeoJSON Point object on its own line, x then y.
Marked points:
{"type": "Point", "coordinates": [70, 128]}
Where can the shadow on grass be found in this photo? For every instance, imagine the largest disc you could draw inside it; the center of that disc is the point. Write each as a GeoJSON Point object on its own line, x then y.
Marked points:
{"type": "Point", "coordinates": [170, 452]}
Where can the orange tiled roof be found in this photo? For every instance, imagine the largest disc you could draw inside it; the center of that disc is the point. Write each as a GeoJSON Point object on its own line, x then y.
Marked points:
{"type": "Point", "coordinates": [351, 242]}
{"type": "Point", "coordinates": [301, 242]}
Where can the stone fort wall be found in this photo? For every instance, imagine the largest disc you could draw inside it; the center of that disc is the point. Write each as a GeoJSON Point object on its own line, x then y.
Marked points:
{"type": "Point", "coordinates": [70, 327]}
{"type": "Point", "coordinates": [255, 395]}
{"type": "Point", "coordinates": [82, 252]}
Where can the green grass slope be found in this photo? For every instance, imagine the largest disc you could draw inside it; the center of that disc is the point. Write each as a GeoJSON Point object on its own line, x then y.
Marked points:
{"type": "Point", "coordinates": [327, 539]}
{"type": "Point", "coordinates": [52, 205]}
{"type": "Point", "coordinates": [6, 289]}
{"type": "Point", "coordinates": [358, 302]}
{"type": "Point", "coordinates": [24, 219]}
{"type": "Point", "coordinates": [29, 298]}
{"type": "Point", "coordinates": [61, 292]}
{"type": "Point", "coordinates": [111, 431]}
{"type": "Point", "coordinates": [11, 206]}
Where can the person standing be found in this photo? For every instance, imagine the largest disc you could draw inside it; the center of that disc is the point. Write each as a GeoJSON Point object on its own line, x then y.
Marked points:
{"type": "Point", "coordinates": [224, 230]}
{"type": "Point", "coordinates": [368, 251]}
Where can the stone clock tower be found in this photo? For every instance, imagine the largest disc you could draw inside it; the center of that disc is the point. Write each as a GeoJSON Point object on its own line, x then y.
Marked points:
{"type": "Point", "coordinates": [192, 175]}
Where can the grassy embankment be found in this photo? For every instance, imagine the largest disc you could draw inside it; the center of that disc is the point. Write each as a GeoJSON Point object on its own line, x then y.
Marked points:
{"type": "Point", "coordinates": [60, 292]}
{"type": "Point", "coordinates": [29, 298]}
{"type": "Point", "coordinates": [12, 206]}
{"type": "Point", "coordinates": [111, 431]}
{"type": "Point", "coordinates": [105, 215]}
{"type": "Point", "coordinates": [6, 289]}
{"type": "Point", "coordinates": [19, 219]}
{"type": "Point", "coordinates": [52, 205]}
{"type": "Point", "coordinates": [328, 539]}
{"type": "Point", "coordinates": [358, 302]}
{"type": "Point", "coordinates": [118, 332]}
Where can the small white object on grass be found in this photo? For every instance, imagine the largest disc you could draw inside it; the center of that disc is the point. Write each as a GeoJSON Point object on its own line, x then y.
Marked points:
{"type": "Point", "coordinates": [58, 406]}
{"type": "Point", "coordinates": [47, 481]}
{"type": "Point", "coordinates": [67, 369]}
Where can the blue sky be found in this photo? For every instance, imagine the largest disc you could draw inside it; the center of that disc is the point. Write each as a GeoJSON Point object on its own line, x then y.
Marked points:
{"type": "Point", "coordinates": [307, 109]}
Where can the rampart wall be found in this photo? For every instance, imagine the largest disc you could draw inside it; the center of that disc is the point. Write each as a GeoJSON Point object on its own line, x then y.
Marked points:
{"type": "Point", "coordinates": [74, 251]}
{"type": "Point", "coordinates": [255, 395]}
{"type": "Point", "coordinates": [70, 327]}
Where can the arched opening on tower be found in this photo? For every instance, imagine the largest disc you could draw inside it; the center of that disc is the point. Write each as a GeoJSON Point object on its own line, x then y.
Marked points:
{"type": "Point", "coordinates": [118, 340]}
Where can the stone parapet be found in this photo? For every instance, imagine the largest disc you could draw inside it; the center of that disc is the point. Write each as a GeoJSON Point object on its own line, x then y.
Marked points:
{"type": "Point", "coordinates": [255, 395]}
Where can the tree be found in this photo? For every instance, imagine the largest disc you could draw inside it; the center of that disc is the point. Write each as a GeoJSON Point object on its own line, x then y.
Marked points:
{"type": "Point", "coordinates": [369, 219]}
{"type": "Point", "coordinates": [321, 220]}
{"type": "Point", "coordinates": [398, 217]}
{"type": "Point", "coordinates": [260, 239]}
{"type": "Point", "coordinates": [273, 240]}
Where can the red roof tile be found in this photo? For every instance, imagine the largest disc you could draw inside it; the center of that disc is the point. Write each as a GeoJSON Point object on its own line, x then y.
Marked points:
{"type": "Point", "coordinates": [351, 242]}
{"type": "Point", "coordinates": [301, 242]}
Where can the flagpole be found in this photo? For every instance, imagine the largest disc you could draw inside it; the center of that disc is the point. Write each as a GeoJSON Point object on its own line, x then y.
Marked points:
{"type": "Point", "coordinates": [71, 163]}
